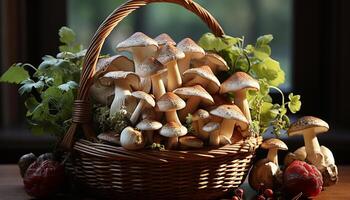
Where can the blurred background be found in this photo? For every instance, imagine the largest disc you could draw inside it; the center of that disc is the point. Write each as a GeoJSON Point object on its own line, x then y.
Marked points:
{"type": "Point", "coordinates": [311, 40]}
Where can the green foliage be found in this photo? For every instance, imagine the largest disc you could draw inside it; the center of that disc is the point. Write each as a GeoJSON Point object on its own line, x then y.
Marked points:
{"type": "Point", "coordinates": [255, 59]}
{"type": "Point", "coordinates": [188, 123]}
{"type": "Point", "coordinates": [50, 89]}
{"type": "Point", "coordinates": [107, 123]}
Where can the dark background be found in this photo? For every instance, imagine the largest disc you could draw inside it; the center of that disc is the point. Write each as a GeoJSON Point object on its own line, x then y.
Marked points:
{"type": "Point", "coordinates": [319, 60]}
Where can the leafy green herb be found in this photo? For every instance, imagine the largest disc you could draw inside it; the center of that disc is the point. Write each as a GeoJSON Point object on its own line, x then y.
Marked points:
{"type": "Point", "coordinates": [107, 123]}
{"type": "Point", "coordinates": [15, 74]}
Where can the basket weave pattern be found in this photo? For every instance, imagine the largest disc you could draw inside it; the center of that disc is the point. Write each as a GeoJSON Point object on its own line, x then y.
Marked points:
{"type": "Point", "coordinates": [113, 172]}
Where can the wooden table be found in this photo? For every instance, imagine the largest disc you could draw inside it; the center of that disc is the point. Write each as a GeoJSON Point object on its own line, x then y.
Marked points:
{"type": "Point", "coordinates": [11, 186]}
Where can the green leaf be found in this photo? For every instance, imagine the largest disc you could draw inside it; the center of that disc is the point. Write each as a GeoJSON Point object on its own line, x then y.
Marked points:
{"type": "Point", "coordinates": [15, 74]}
{"type": "Point", "coordinates": [29, 84]}
{"type": "Point", "coordinates": [294, 103]}
{"type": "Point", "coordinates": [67, 35]}
{"type": "Point", "coordinates": [270, 70]}
{"type": "Point", "coordinates": [265, 39]}
{"type": "Point", "coordinates": [262, 52]}
{"type": "Point", "coordinates": [68, 86]}
{"type": "Point", "coordinates": [210, 42]}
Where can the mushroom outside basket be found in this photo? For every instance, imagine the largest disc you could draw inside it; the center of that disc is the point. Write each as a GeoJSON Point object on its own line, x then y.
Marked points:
{"type": "Point", "coordinates": [113, 172]}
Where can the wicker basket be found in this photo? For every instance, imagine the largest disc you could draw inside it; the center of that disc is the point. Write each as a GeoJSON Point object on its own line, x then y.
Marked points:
{"type": "Point", "coordinates": [113, 172]}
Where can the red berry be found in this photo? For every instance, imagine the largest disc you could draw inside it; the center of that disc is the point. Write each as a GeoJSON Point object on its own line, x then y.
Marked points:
{"type": "Point", "coordinates": [235, 198]}
{"type": "Point", "coordinates": [268, 193]}
{"type": "Point", "coordinates": [239, 192]}
{"type": "Point", "coordinates": [260, 197]}
{"type": "Point", "coordinates": [261, 188]}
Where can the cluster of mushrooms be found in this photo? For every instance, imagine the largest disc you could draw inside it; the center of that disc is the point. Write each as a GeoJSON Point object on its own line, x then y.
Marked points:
{"type": "Point", "coordinates": [267, 170]}
{"type": "Point", "coordinates": [164, 83]}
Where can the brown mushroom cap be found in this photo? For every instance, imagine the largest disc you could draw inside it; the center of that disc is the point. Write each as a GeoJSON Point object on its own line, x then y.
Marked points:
{"type": "Point", "coordinates": [231, 112]}
{"type": "Point", "coordinates": [195, 91]}
{"type": "Point", "coordinates": [190, 48]}
{"type": "Point", "coordinates": [239, 81]}
{"type": "Point", "coordinates": [274, 143]}
{"type": "Point", "coordinates": [214, 61]}
{"type": "Point", "coordinates": [138, 39]}
{"type": "Point", "coordinates": [211, 126]}
{"type": "Point", "coordinates": [148, 125]}
{"type": "Point", "coordinates": [191, 142]}
{"type": "Point", "coordinates": [164, 38]}
{"type": "Point", "coordinates": [169, 101]}
{"type": "Point", "coordinates": [308, 122]}
{"type": "Point", "coordinates": [149, 66]}
{"type": "Point", "coordinates": [173, 129]}
{"type": "Point", "coordinates": [113, 63]}
{"type": "Point", "coordinates": [110, 137]}
{"type": "Point", "coordinates": [169, 53]}
{"type": "Point", "coordinates": [200, 114]}
{"type": "Point", "coordinates": [203, 72]}
{"type": "Point", "coordinates": [130, 77]}
{"type": "Point", "coordinates": [144, 96]}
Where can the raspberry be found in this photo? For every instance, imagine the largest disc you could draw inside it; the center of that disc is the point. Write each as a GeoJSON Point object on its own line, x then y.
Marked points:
{"type": "Point", "coordinates": [268, 193]}
{"type": "Point", "coordinates": [239, 192]}
{"type": "Point", "coordinates": [260, 197]}
{"type": "Point", "coordinates": [235, 198]}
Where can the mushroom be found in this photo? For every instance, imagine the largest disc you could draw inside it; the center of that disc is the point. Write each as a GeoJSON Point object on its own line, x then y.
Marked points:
{"type": "Point", "coordinates": [131, 139]}
{"type": "Point", "coordinates": [239, 83]}
{"type": "Point", "coordinates": [110, 137]}
{"type": "Point", "coordinates": [224, 140]}
{"type": "Point", "coordinates": [202, 76]}
{"type": "Point", "coordinates": [232, 116]}
{"type": "Point", "coordinates": [199, 118]}
{"type": "Point", "coordinates": [142, 47]}
{"type": "Point", "coordinates": [145, 100]}
{"type": "Point", "coordinates": [330, 170]}
{"type": "Point", "coordinates": [190, 142]}
{"type": "Point", "coordinates": [158, 87]}
{"type": "Point", "coordinates": [149, 126]}
{"type": "Point", "coordinates": [123, 83]}
{"type": "Point", "coordinates": [299, 154]}
{"type": "Point", "coordinates": [214, 61]}
{"type": "Point", "coordinates": [168, 56]}
{"type": "Point", "coordinates": [266, 170]}
{"type": "Point", "coordinates": [213, 128]}
{"type": "Point", "coordinates": [164, 38]}
{"type": "Point", "coordinates": [170, 103]}
{"type": "Point", "coordinates": [149, 67]}
{"type": "Point", "coordinates": [101, 94]}
{"type": "Point", "coordinates": [173, 131]}
{"type": "Point", "coordinates": [309, 127]}
{"type": "Point", "coordinates": [194, 95]}
{"type": "Point", "coordinates": [149, 113]}
{"type": "Point", "coordinates": [191, 50]}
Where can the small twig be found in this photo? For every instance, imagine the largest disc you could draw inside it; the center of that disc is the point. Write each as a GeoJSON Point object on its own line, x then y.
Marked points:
{"type": "Point", "coordinates": [297, 196]}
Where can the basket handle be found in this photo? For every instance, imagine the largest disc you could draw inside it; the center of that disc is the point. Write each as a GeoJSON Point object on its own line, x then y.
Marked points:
{"type": "Point", "coordinates": [81, 105]}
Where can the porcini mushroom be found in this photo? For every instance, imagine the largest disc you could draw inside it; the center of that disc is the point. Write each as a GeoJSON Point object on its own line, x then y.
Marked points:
{"type": "Point", "coordinates": [213, 128]}
{"type": "Point", "coordinates": [145, 100]}
{"type": "Point", "coordinates": [110, 137]}
{"type": "Point", "coordinates": [164, 38]}
{"type": "Point", "coordinates": [330, 170]}
{"type": "Point", "coordinates": [214, 61]}
{"type": "Point", "coordinates": [123, 83]}
{"type": "Point", "coordinates": [309, 127]}
{"type": "Point", "coordinates": [202, 76]}
{"type": "Point", "coordinates": [147, 68]}
{"type": "Point", "coordinates": [194, 95]}
{"type": "Point", "coordinates": [239, 83]}
{"type": "Point", "coordinates": [273, 145]}
{"type": "Point", "coordinates": [190, 142]}
{"type": "Point", "coordinates": [142, 47]}
{"type": "Point", "coordinates": [131, 139]}
{"type": "Point", "coordinates": [200, 118]}
{"type": "Point", "coordinates": [191, 50]}
{"type": "Point", "coordinates": [168, 56]}
{"type": "Point", "coordinates": [173, 131]}
{"type": "Point", "coordinates": [232, 116]}
{"type": "Point", "coordinates": [158, 87]}
{"type": "Point", "coordinates": [170, 103]}
{"type": "Point", "coordinates": [149, 126]}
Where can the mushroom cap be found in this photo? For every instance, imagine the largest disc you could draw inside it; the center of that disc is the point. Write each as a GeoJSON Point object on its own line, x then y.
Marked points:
{"type": "Point", "coordinates": [138, 39]}
{"type": "Point", "coordinates": [239, 81]}
{"type": "Point", "coordinates": [144, 96]}
{"type": "Point", "coordinates": [164, 38]}
{"type": "Point", "coordinates": [231, 112]}
{"type": "Point", "coordinates": [160, 72]}
{"type": "Point", "coordinates": [190, 48]}
{"type": "Point", "coordinates": [113, 63]}
{"type": "Point", "coordinates": [211, 126]}
{"type": "Point", "coordinates": [274, 143]}
{"type": "Point", "coordinates": [170, 101]}
{"type": "Point", "coordinates": [213, 60]}
{"type": "Point", "coordinates": [203, 72]}
{"type": "Point", "coordinates": [131, 139]}
{"type": "Point", "coordinates": [307, 123]}
{"type": "Point", "coordinates": [169, 53]}
{"type": "Point", "coordinates": [173, 129]}
{"type": "Point", "coordinates": [191, 142]}
{"type": "Point", "coordinates": [149, 125]}
{"type": "Point", "coordinates": [110, 137]}
{"type": "Point", "coordinates": [149, 66]}
{"type": "Point", "coordinates": [200, 114]}
{"type": "Point", "coordinates": [195, 91]}
{"type": "Point", "coordinates": [130, 77]}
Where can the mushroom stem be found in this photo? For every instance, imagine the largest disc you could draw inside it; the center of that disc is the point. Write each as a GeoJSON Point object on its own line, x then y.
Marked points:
{"type": "Point", "coordinates": [202, 134]}
{"type": "Point", "coordinates": [136, 114]}
{"type": "Point", "coordinates": [191, 105]}
{"type": "Point", "coordinates": [242, 102]}
{"type": "Point", "coordinates": [227, 127]}
{"type": "Point", "coordinates": [214, 138]}
{"type": "Point", "coordinates": [174, 77]}
{"type": "Point", "coordinates": [172, 142]}
{"type": "Point", "coordinates": [184, 64]}
{"type": "Point", "coordinates": [158, 87]}
{"type": "Point", "coordinates": [121, 92]}
{"type": "Point", "coordinates": [171, 116]}
{"type": "Point", "coordinates": [149, 137]}
{"type": "Point", "coordinates": [272, 155]}
{"type": "Point", "coordinates": [312, 147]}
